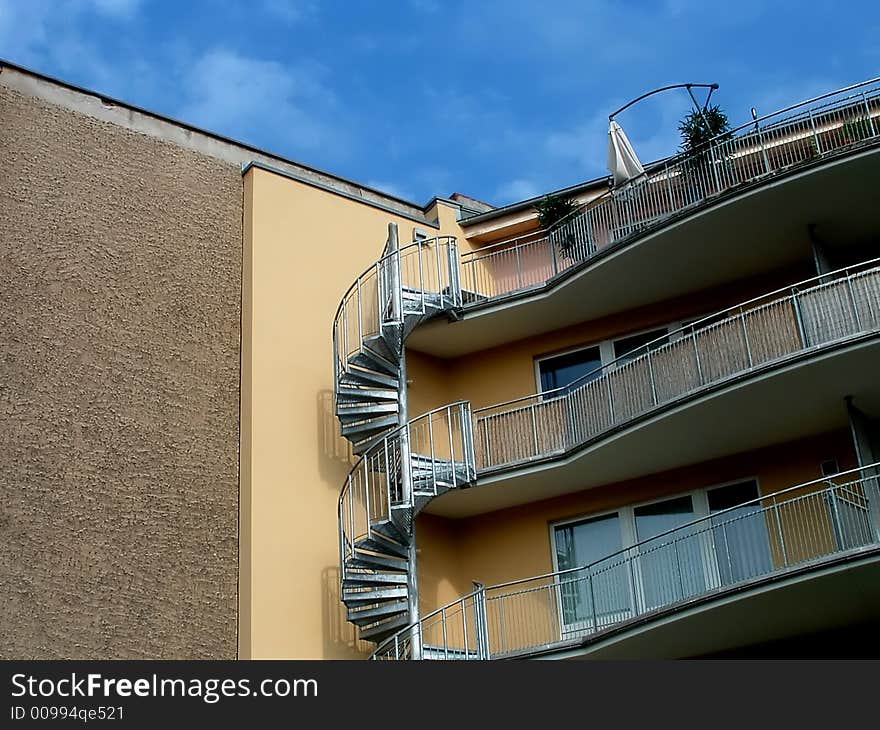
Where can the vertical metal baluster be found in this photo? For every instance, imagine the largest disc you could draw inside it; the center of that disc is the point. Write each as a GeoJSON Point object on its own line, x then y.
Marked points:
{"type": "Point", "coordinates": [799, 317]}
{"type": "Point", "coordinates": [651, 376]}
{"type": "Point", "coordinates": [452, 446]}
{"type": "Point", "coordinates": [610, 398]}
{"type": "Point", "coordinates": [593, 604]}
{"type": "Point", "coordinates": [835, 515]}
{"type": "Point", "coordinates": [501, 621]}
{"type": "Point", "coordinates": [433, 456]}
{"type": "Point", "coordinates": [697, 355]}
{"type": "Point", "coordinates": [781, 535]}
{"type": "Point", "coordinates": [868, 114]}
{"type": "Point", "coordinates": [852, 298]}
{"type": "Point", "coordinates": [464, 627]}
{"type": "Point", "coordinates": [535, 428]}
{"type": "Point", "coordinates": [816, 142]}
{"type": "Point", "coordinates": [742, 318]}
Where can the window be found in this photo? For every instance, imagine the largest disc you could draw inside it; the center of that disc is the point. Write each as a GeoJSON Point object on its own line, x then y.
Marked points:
{"type": "Point", "coordinates": [674, 559]}
{"type": "Point", "coordinates": [599, 594]}
{"type": "Point", "coordinates": [562, 370]}
{"type": "Point", "coordinates": [633, 346]}
{"type": "Point", "coordinates": [739, 534]}
{"type": "Point", "coordinates": [671, 567]}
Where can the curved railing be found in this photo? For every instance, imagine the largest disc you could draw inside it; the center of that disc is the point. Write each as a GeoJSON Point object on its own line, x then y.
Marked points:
{"type": "Point", "coordinates": [746, 338]}
{"type": "Point", "coordinates": [797, 528]}
{"type": "Point", "coordinates": [440, 446]}
{"type": "Point", "coordinates": [755, 151]}
{"type": "Point", "coordinates": [415, 277]}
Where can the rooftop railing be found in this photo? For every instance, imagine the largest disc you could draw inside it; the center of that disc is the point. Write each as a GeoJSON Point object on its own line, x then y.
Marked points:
{"type": "Point", "coordinates": [754, 151]}
{"type": "Point", "coordinates": [799, 528]}
{"type": "Point", "coordinates": [765, 331]}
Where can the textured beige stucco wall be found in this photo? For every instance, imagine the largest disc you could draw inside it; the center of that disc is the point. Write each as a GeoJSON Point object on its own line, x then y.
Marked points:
{"type": "Point", "coordinates": [120, 291]}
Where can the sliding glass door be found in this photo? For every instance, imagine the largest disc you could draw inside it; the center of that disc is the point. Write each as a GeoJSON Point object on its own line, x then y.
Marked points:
{"type": "Point", "coordinates": [598, 595]}
{"type": "Point", "coordinates": [671, 567]}
{"type": "Point", "coordinates": [739, 533]}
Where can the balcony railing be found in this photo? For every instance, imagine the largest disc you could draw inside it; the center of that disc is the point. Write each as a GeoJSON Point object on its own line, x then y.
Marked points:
{"type": "Point", "coordinates": [754, 335]}
{"type": "Point", "coordinates": [440, 448]}
{"type": "Point", "coordinates": [760, 149]}
{"type": "Point", "coordinates": [405, 281]}
{"type": "Point", "coordinates": [802, 527]}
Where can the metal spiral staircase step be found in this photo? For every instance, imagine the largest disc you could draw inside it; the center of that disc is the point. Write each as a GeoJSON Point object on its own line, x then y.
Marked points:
{"type": "Point", "coordinates": [382, 347]}
{"type": "Point", "coordinates": [379, 632]}
{"type": "Point", "coordinates": [351, 413]}
{"type": "Point", "coordinates": [388, 529]}
{"type": "Point", "coordinates": [355, 394]}
{"type": "Point", "coordinates": [361, 376]}
{"type": "Point", "coordinates": [378, 543]}
{"type": "Point", "coordinates": [369, 427]}
{"type": "Point", "coordinates": [373, 361]}
{"type": "Point", "coordinates": [353, 597]}
{"type": "Point", "coordinates": [359, 580]}
{"type": "Point", "coordinates": [369, 614]}
{"type": "Point", "coordinates": [364, 559]}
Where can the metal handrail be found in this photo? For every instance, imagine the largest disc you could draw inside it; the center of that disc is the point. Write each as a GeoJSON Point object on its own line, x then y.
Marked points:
{"type": "Point", "coordinates": [753, 335]}
{"type": "Point", "coordinates": [652, 344]}
{"type": "Point", "coordinates": [673, 185]}
{"type": "Point", "coordinates": [375, 298]}
{"type": "Point", "coordinates": [374, 487]}
{"type": "Point", "coordinates": [793, 511]}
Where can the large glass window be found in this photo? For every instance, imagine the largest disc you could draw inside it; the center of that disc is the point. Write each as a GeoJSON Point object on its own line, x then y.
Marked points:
{"type": "Point", "coordinates": [631, 347]}
{"type": "Point", "coordinates": [562, 370]}
{"type": "Point", "coordinates": [739, 533]}
{"type": "Point", "coordinates": [597, 595]}
{"type": "Point", "coordinates": [671, 566]}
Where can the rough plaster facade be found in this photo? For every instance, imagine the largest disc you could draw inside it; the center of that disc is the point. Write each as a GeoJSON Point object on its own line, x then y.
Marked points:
{"type": "Point", "coordinates": [120, 281]}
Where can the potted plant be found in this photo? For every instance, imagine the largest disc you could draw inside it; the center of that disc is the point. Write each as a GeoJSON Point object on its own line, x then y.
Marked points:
{"type": "Point", "coordinates": [552, 210]}
{"type": "Point", "coordinates": [698, 127]}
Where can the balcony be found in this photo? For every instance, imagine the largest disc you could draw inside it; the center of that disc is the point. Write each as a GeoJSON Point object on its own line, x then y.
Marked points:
{"type": "Point", "coordinates": [812, 163]}
{"type": "Point", "coordinates": [694, 394]}
{"type": "Point", "coordinates": [776, 543]}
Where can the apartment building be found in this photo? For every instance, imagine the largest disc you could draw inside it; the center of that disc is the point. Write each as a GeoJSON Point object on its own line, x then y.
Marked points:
{"type": "Point", "coordinates": [257, 410]}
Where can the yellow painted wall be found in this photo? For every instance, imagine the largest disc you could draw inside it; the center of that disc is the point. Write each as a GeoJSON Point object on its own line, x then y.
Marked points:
{"type": "Point", "coordinates": [303, 248]}
{"type": "Point", "coordinates": [515, 543]}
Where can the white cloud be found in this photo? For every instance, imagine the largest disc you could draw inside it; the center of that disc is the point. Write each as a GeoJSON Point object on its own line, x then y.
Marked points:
{"type": "Point", "coordinates": [37, 32]}
{"type": "Point", "coordinates": [290, 11]}
{"type": "Point", "coordinates": [516, 190]}
{"type": "Point", "coordinates": [257, 100]}
{"type": "Point", "coordinates": [118, 8]}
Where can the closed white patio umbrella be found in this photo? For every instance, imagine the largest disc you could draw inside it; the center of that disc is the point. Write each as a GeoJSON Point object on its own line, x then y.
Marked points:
{"type": "Point", "coordinates": [622, 159]}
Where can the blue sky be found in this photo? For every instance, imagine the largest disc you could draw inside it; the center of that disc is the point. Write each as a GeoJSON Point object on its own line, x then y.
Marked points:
{"type": "Point", "coordinates": [500, 100]}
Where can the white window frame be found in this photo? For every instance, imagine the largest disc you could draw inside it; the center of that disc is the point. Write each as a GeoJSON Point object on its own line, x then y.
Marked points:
{"type": "Point", "coordinates": [629, 538]}
{"type": "Point", "coordinates": [606, 348]}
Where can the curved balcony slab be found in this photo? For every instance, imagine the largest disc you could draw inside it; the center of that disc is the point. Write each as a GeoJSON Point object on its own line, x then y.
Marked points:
{"type": "Point", "coordinates": [764, 612]}
{"type": "Point", "coordinates": [759, 571]}
{"type": "Point", "coordinates": [758, 227]}
{"type": "Point", "coordinates": [783, 401]}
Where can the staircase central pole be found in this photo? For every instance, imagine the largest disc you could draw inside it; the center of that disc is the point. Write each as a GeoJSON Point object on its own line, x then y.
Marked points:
{"type": "Point", "coordinates": [406, 453]}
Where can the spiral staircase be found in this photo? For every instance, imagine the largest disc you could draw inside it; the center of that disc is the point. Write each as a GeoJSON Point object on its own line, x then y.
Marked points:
{"type": "Point", "coordinates": [403, 464]}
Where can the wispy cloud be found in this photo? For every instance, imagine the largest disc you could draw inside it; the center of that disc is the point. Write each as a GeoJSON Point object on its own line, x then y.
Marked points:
{"type": "Point", "coordinates": [256, 99]}
{"type": "Point", "coordinates": [290, 11]}
{"type": "Point", "coordinates": [514, 191]}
